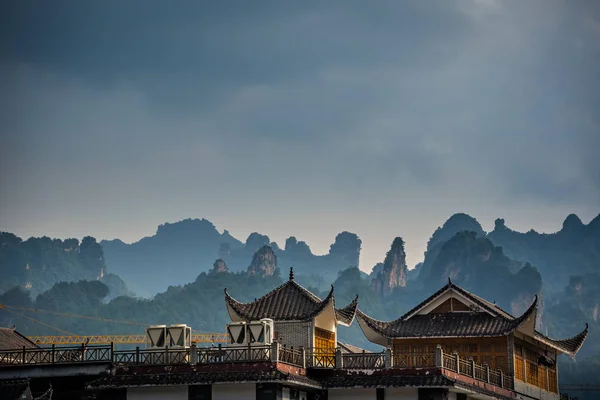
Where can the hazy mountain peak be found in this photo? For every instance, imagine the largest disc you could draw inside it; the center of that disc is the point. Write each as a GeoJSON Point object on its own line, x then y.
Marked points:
{"type": "Point", "coordinates": [347, 246]}
{"type": "Point", "coordinates": [458, 222]}
{"type": "Point", "coordinates": [186, 226]}
{"type": "Point", "coordinates": [256, 241]}
{"type": "Point", "coordinates": [572, 222]}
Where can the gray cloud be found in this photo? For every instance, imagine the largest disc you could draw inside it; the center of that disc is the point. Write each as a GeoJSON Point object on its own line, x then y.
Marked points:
{"type": "Point", "coordinates": [360, 117]}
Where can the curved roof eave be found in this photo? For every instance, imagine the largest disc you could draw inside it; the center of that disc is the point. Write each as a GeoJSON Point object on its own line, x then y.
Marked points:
{"type": "Point", "coordinates": [345, 316]}
{"type": "Point", "coordinates": [369, 328]}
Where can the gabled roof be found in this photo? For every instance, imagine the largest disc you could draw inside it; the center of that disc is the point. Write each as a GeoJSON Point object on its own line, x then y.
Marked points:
{"type": "Point", "coordinates": [451, 324]}
{"type": "Point", "coordinates": [482, 303]}
{"type": "Point", "coordinates": [288, 302]}
{"type": "Point", "coordinates": [10, 339]}
{"type": "Point", "coordinates": [487, 320]}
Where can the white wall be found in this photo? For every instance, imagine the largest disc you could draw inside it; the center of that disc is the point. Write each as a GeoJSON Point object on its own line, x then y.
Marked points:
{"type": "Point", "coordinates": [158, 393]}
{"type": "Point", "coordinates": [242, 391]}
{"type": "Point", "coordinates": [352, 394]}
{"type": "Point", "coordinates": [401, 394]}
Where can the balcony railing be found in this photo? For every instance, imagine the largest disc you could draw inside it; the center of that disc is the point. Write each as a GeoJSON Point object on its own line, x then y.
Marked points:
{"type": "Point", "coordinates": [462, 366]}
{"type": "Point", "coordinates": [56, 355]}
{"type": "Point", "coordinates": [289, 355]}
{"type": "Point", "coordinates": [300, 357]}
{"type": "Point", "coordinates": [363, 360]}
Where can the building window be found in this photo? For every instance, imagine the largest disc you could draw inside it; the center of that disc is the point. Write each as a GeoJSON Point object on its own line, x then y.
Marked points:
{"type": "Point", "coordinates": [552, 384]}
{"type": "Point", "coordinates": [519, 368]}
{"type": "Point", "coordinates": [324, 351]}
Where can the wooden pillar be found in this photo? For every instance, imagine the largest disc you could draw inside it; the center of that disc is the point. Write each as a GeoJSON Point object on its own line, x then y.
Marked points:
{"type": "Point", "coordinates": [339, 361]}
{"type": "Point", "coordinates": [439, 356]}
{"type": "Point", "coordinates": [457, 360]}
{"type": "Point", "coordinates": [303, 356]}
{"type": "Point", "coordinates": [194, 354]}
{"type": "Point", "coordinates": [274, 351]}
{"type": "Point", "coordinates": [389, 358]}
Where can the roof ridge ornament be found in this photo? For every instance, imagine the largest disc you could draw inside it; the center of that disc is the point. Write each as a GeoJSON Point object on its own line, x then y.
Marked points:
{"type": "Point", "coordinates": [291, 273]}
{"type": "Point", "coordinates": [449, 281]}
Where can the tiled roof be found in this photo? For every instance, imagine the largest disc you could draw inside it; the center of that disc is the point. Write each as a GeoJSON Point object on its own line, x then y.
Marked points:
{"type": "Point", "coordinates": [570, 346]}
{"type": "Point", "coordinates": [10, 339]}
{"type": "Point", "coordinates": [387, 381]}
{"type": "Point", "coordinates": [451, 324]}
{"type": "Point", "coordinates": [194, 378]}
{"type": "Point", "coordinates": [346, 315]}
{"type": "Point", "coordinates": [349, 348]}
{"type": "Point", "coordinates": [290, 302]}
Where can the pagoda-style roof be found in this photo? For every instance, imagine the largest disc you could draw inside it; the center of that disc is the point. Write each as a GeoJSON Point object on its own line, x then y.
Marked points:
{"type": "Point", "coordinates": [475, 317]}
{"type": "Point", "coordinates": [570, 346]}
{"type": "Point", "coordinates": [289, 302]}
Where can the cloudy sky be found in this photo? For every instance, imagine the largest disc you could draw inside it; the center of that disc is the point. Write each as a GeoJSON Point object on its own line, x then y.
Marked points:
{"type": "Point", "coordinates": [298, 118]}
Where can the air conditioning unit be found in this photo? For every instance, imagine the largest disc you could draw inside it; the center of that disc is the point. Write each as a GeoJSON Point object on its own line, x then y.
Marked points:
{"type": "Point", "coordinates": [179, 336]}
{"type": "Point", "coordinates": [174, 336]}
{"type": "Point", "coordinates": [236, 333]}
{"type": "Point", "coordinates": [260, 333]}
{"type": "Point", "coordinates": [156, 336]}
{"type": "Point", "coordinates": [253, 333]}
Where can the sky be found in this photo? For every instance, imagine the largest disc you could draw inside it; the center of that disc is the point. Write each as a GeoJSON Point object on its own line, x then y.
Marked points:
{"type": "Point", "coordinates": [307, 118]}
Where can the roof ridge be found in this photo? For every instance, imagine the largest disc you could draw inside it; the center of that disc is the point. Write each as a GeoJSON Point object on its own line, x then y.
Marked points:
{"type": "Point", "coordinates": [428, 299]}
{"type": "Point", "coordinates": [307, 292]}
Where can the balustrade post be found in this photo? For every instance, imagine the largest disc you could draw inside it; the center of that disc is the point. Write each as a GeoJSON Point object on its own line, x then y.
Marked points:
{"type": "Point", "coordinates": [249, 352]}
{"type": "Point", "coordinates": [439, 356]}
{"type": "Point", "coordinates": [166, 355]}
{"type": "Point", "coordinates": [472, 364]}
{"type": "Point", "coordinates": [339, 362]}
{"type": "Point", "coordinates": [274, 352]}
{"type": "Point", "coordinates": [487, 373]}
{"type": "Point", "coordinates": [24, 356]}
{"type": "Point", "coordinates": [137, 354]}
{"type": "Point", "coordinates": [389, 359]}
{"type": "Point", "coordinates": [53, 350]}
{"type": "Point", "coordinates": [112, 352]}
{"type": "Point", "coordinates": [82, 351]}
{"type": "Point", "coordinates": [303, 356]}
{"type": "Point", "coordinates": [501, 379]}
{"type": "Point", "coordinates": [194, 354]}
{"type": "Point", "coordinates": [457, 360]}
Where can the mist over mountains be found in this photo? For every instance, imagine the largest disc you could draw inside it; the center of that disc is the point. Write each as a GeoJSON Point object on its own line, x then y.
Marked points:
{"type": "Point", "coordinates": [178, 252]}
{"type": "Point", "coordinates": [183, 268]}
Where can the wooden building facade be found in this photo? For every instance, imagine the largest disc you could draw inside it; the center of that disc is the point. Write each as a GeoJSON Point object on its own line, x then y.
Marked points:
{"type": "Point", "coordinates": [464, 324]}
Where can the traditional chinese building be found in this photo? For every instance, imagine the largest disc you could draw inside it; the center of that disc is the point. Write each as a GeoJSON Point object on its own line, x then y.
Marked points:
{"type": "Point", "coordinates": [301, 319]}
{"type": "Point", "coordinates": [477, 331]}
{"type": "Point", "coordinates": [453, 346]}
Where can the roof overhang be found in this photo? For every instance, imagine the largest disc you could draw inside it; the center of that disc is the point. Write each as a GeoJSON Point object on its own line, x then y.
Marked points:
{"type": "Point", "coordinates": [372, 335]}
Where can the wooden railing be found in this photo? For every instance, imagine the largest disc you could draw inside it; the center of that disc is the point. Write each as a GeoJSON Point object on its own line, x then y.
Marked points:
{"type": "Point", "coordinates": [320, 358]}
{"type": "Point", "coordinates": [289, 355]}
{"type": "Point", "coordinates": [453, 362]}
{"type": "Point", "coordinates": [233, 354]}
{"type": "Point", "coordinates": [304, 358]}
{"type": "Point", "coordinates": [363, 361]}
{"type": "Point", "coordinates": [413, 360]}
{"type": "Point", "coordinates": [56, 355]}
{"type": "Point", "coordinates": [151, 356]}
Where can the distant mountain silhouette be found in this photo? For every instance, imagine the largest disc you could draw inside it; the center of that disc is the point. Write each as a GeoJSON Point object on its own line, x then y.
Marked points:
{"type": "Point", "coordinates": [179, 251]}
